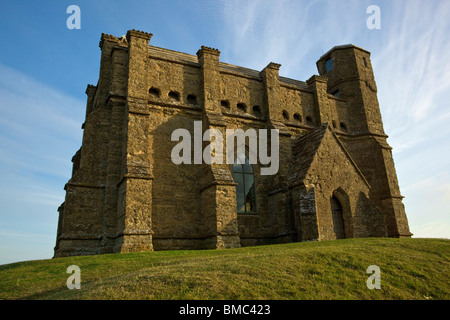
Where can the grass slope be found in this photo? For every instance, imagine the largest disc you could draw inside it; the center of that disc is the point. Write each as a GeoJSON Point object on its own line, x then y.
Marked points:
{"type": "Point", "coordinates": [410, 269]}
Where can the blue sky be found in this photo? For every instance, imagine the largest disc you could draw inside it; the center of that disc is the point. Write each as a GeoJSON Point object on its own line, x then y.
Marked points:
{"type": "Point", "coordinates": [45, 68]}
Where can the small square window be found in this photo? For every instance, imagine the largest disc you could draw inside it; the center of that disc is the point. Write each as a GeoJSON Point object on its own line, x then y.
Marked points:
{"type": "Point", "coordinates": [225, 103]}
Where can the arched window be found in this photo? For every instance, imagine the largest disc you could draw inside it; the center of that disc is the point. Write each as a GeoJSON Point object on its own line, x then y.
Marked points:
{"type": "Point", "coordinates": [244, 176]}
{"type": "Point", "coordinates": [338, 219]}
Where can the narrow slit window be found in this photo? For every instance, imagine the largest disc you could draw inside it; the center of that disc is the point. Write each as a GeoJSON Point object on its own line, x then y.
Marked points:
{"type": "Point", "coordinates": [364, 62]}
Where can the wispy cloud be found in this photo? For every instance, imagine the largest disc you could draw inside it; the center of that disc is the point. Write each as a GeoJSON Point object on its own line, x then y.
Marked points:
{"type": "Point", "coordinates": [40, 126]}
{"type": "Point", "coordinates": [410, 56]}
{"type": "Point", "coordinates": [293, 33]}
{"type": "Point", "coordinates": [413, 65]}
{"type": "Point", "coordinates": [412, 70]}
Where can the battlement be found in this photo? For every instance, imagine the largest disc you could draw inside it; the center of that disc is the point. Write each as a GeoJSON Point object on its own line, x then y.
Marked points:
{"type": "Point", "coordinates": [107, 37]}
{"type": "Point", "coordinates": [139, 34]}
{"type": "Point", "coordinates": [209, 50]}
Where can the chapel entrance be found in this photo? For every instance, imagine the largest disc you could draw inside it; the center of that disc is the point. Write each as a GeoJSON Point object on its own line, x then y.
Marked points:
{"type": "Point", "coordinates": [338, 219]}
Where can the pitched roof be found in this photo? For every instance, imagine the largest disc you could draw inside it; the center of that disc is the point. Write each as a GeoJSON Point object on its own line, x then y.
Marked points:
{"type": "Point", "coordinates": [304, 149]}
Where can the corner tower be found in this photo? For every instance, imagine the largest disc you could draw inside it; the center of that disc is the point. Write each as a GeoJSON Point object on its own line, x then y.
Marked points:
{"type": "Point", "coordinates": [351, 78]}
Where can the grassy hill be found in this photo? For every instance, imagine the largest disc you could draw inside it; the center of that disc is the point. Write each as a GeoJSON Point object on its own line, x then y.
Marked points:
{"type": "Point", "coordinates": [410, 269]}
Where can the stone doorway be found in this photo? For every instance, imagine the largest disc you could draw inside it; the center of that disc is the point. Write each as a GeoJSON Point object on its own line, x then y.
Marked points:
{"type": "Point", "coordinates": [338, 219]}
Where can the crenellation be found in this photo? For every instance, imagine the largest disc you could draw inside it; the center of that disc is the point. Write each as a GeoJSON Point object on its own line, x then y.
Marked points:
{"type": "Point", "coordinates": [207, 50]}
{"type": "Point", "coordinates": [138, 34]}
{"type": "Point", "coordinates": [107, 37]}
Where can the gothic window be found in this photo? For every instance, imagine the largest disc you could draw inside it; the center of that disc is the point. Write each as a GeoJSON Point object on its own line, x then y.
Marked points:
{"type": "Point", "coordinates": [338, 219]}
{"type": "Point", "coordinates": [244, 176]}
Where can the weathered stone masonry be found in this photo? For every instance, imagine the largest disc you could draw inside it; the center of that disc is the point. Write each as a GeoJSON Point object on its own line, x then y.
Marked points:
{"type": "Point", "coordinates": [336, 177]}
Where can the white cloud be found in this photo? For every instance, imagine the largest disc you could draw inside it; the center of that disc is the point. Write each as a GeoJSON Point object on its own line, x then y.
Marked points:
{"type": "Point", "coordinates": [258, 32]}
{"type": "Point", "coordinates": [413, 63]}
{"type": "Point", "coordinates": [412, 70]}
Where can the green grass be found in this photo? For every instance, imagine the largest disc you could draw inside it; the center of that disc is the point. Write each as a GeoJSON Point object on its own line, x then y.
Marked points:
{"type": "Point", "coordinates": [410, 269]}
